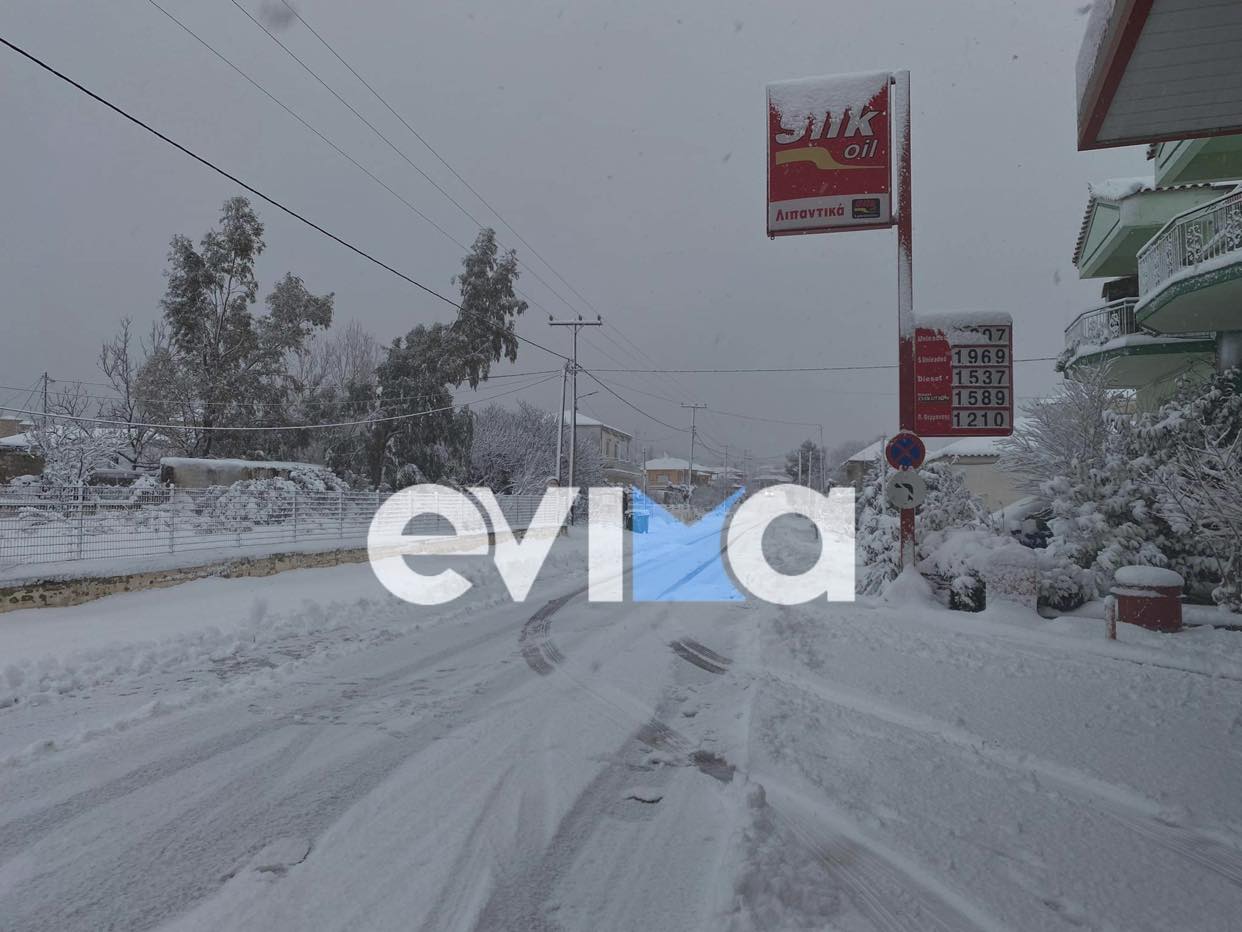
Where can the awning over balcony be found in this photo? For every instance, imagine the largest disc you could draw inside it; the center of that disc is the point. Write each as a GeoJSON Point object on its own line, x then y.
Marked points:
{"type": "Point", "coordinates": [1151, 70]}
{"type": "Point", "coordinates": [1123, 214]}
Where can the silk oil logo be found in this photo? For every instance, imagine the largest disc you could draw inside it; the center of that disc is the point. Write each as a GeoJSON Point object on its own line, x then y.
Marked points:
{"type": "Point", "coordinates": [818, 128]}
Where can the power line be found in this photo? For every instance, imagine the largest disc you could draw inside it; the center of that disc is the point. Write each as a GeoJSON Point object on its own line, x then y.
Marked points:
{"type": "Point", "coordinates": [651, 417]}
{"type": "Point", "coordinates": [443, 161]}
{"type": "Point", "coordinates": [758, 369]}
{"type": "Point", "coordinates": [203, 42]}
{"type": "Point", "coordinates": [345, 155]}
{"type": "Point", "coordinates": [256, 192]}
{"type": "Point", "coordinates": [107, 422]}
{"type": "Point", "coordinates": [326, 44]}
{"type": "Point", "coordinates": [309, 402]}
{"type": "Point", "coordinates": [309, 70]}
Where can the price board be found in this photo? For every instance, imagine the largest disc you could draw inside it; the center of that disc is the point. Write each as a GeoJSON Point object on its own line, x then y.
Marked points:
{"type": "Point", "coordinates": [963, 365]}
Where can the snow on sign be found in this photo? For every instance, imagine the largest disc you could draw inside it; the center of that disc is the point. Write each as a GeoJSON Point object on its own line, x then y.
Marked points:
{"type": "Point", "coordinates": [829, 160]}
{"type": "Point", "coordinates": [963, 367]}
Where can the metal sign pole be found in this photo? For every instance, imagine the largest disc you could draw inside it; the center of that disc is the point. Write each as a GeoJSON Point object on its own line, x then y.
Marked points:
{"type": "Point", "coordinates": [905, 285]}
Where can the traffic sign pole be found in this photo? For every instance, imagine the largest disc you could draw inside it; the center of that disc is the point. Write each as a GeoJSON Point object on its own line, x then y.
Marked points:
{"type": "Point", "coordinates": [905, 285]}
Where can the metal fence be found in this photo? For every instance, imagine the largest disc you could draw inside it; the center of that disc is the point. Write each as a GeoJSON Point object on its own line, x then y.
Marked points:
{"type": "Point", "coordinates": [130, 526]}
{"type": "Point", "coordinates": [1190, 239]}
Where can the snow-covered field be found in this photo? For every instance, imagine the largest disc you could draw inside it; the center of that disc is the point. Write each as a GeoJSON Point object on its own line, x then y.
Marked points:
{"type": "Point", "coordinates": [303, 751]}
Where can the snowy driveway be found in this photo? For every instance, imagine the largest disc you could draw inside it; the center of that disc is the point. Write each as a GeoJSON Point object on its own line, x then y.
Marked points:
{"type": "Point", "coordinates": [353, 762]}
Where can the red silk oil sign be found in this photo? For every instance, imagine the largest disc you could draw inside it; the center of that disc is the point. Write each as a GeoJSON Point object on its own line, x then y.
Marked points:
{"type": "Point", "coordinates": [964, 378]}
{"type": "Point", "coordinates": [829, 160]}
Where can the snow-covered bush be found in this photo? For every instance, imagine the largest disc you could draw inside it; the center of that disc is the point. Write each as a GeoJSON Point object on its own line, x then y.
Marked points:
{"type": "Point", "coordinates": [1158, 489]}
{"type": "Point", "coordinates": [310, 478]}
{"type": "Point", "coordinates": [146, 490]}
{"type": "Point", "coordinates": [251, 502]}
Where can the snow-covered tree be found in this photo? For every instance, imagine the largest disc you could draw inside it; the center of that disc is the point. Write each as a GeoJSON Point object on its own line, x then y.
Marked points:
{"type": "Point", "coordinates": [73, 445]}
{"type": "Point", "coordinates": [949, 506]}
{"type": "Point", "coordinates": [807, 465]}
{"type": "Point", "coordinates": [224, 364]}
{"type": "Point", "coordinates": [489, 310]}
{"type": "Point", "coordinates": [1065, 436]}
{"type": "Point", "coordinates": [1192, 462]}
{"type": "Point", "coordinates": [514, 450]}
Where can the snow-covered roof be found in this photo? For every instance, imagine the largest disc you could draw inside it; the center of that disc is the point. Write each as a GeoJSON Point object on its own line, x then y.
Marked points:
{"type": "Point", "coordinates": [868, 453]}
{"type": "Point", "coordinates": [674, 462]}
{"type": "Point", "coordinates": [586, 421]}
{"type": "Point", "coordinates": [967, 446]}
{"type": "Point", "coordinates": [17, 442]}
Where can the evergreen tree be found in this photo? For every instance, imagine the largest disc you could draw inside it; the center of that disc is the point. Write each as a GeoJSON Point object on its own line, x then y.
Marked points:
{"type": "Point", "coordinates": [224, 365]}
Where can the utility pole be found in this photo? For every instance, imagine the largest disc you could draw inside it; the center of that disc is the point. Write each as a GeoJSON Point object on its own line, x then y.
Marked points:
{"type": "Point", "coordinates": [823, 476]}
{"type": "Point", "coordinates": [694, 432]}
{"type": "Point", "coordinates": [45, 381]}
{"type": "Point", "coordinates": [577, 324]}
{"type": "Point", "coordinates": [560, 424]}
{"type": "Point", "coordinates": [726, 470]}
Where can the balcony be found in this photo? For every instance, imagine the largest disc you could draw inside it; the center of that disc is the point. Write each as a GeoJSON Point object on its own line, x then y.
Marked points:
{"type": "Point", "coordinates": [1135, 356]}
{"type": "Point", "coordinates": [1190, 273]}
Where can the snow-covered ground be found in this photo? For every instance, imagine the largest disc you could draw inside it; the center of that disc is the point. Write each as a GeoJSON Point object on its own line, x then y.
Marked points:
{"type": "Point", "coordinates": [303, 751]}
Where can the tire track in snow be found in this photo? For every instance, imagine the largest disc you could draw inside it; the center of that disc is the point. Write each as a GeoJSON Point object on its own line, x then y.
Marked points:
{"type": "Point", "coordinates": [149, 875]}
{"type": "Point", "coordinates": [702, 657]}
{"type": "Point", "coordinates": [1222, 856]}
{"type": "Point", "coordinates": [893, 896]}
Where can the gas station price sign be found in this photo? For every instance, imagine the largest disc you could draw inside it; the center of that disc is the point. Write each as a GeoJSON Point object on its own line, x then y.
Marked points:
{"type": "Point", "coordinates": [963, 368]}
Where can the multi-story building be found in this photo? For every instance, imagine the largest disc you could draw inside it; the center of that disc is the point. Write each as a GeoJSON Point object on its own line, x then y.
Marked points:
{"type": "Point", "coordinates": [614, 446]}
{"type": "Point", "coordinates": [1168, 248]}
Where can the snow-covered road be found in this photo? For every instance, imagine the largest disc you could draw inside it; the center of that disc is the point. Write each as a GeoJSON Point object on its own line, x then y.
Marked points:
{"type": "Point", "coordinates": [353, 762]}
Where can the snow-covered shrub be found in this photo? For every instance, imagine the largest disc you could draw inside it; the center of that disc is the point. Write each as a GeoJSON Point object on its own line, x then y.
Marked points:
{"type": "Point", "coordinates": [252, 502]}
{"type": "Point", "coordinates": [27, 484]}
{"type": "Point", "coordinates": [1192, 462]}
{"type": "Point", "coordinates": [1063, 584]}
{"type": "Point", "coordinates": [31, 518]}
{"type": "Point", "coordinates": [146, 490]}
{"type": "Point", "coordinates": [1160, 489]}
{"type": "Point", "coordinates": [317, 479]}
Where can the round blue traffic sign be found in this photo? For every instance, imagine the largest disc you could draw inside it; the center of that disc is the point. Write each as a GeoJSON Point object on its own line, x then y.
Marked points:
{"type": "Point", "coordinates": [905, 451]}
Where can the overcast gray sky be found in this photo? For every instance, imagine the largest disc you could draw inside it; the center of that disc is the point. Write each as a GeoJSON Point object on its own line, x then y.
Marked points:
{"type": "Point", "coordinates": [624, 140]}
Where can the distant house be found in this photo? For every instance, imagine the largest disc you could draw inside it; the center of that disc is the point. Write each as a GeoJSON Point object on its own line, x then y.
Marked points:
{"type": "Point", "coordinates": [861, 463]}
{"type": "Point", "coordinates": [668, 471]}
{"type": "Point", "coordinates": [975, 458]}
{"type": "Point", "coordinates": [614, 446]}
{"type": "Point", "coordinates": [770, 478]}
{"type": "Point", "coordinates": [17, 450]}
